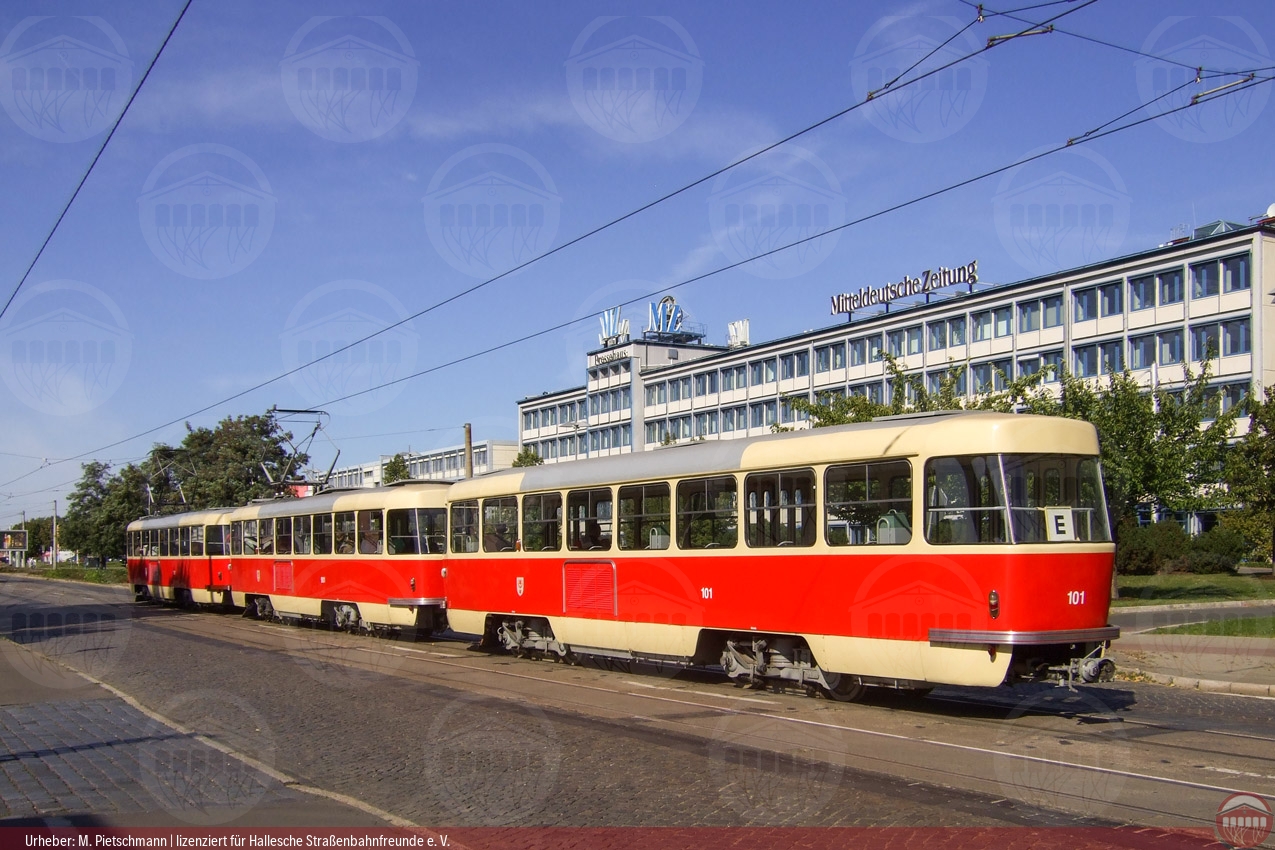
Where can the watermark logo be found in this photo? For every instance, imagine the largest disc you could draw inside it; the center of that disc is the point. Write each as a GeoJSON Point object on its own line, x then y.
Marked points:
{"type": "Point", "coordinates": [1062, 211]}
{"type": "Point", "coordinates": [90, 638]}
{"type": "Point", "coordinates": [493, 762]}
{"type": "Point", "coordinates": [778, 199]}
{"type": "Point", "coordinates": [489, 208]}
{"type": "Point", "coordinates": [634, 79]}
{"type": "Point", "coordinates": [64, 79]}
{"type": "Point", "coordinates": [765, 786]}
{"type": "Point", "coordinates": [1243, 820]}
{"type": "Point", "coordinates": [195, 782]}
{"type": "Point", "coordinates": [66, 348]}
{"type": "Point", "coordinates": [333, 316]}
{"type": "Point", "coordinates": [211, 216]}
{"type": "Point", "coordinates": [1045, 760]}
{"type": "Point", "coordinates": [356, 84]}
{"type": "Point", "coordinates": [1179, 46]}
{"type": "Point", "coordinates": [932, 108]}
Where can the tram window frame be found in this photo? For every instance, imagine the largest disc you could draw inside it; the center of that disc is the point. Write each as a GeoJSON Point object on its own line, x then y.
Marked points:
{"type": "Point", "coordinates": [163, 542]}
{"type": "Point", "coordinates": [464, 526]}
{"type": "Point", "coordinates": [250, 537]}
{"type": "Point", "coordinates": [236, 537]}
{"type": "Point", "coordinates": [215, 541]}
{"type": "Point", "coordinates": [594, 506]}
{"type": "Point", "coordinates": [370, 538]}
{"type": "Point", "coordinates": [302, 534]}
{"type": "Point", "coordinates": [402, 535]}
{"type": "Point", "coordinates": [431, 526]}
{"type": "Point", "coordinates": [500, 519]}
{"type": "Point", "coordinates": [542, 522]}
{"type": "Point", "coordinates": [702, 523]}
{"type": "Point", "coordinates": [265, 536]}
{"type": "Point", "coordinates": [183, 540]}
{"type": "Point", "coordinates": [799, 527]}
{"type": "Point", "coordinates": [870, 494]}
{"type": "Point", "coordinates": [283, 535]}
{"type": "Point", "coordinates": [345, 537]}
{"type": "Point", "coordinates": [645, 519]}
{"type": "Point", "coordinates": [324, 534]}
{"type": "Point", "coordinates": [975, 514]}
{"type": "Point", "coordinates": [197, 541]}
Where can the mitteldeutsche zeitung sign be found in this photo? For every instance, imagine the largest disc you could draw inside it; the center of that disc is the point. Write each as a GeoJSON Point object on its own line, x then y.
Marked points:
{"type": "Point", "coordinates": [930, 280]}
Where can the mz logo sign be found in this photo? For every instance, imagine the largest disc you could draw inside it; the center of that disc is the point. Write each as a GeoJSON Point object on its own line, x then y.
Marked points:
{"type": "Point", "coordinates": [664, 317]}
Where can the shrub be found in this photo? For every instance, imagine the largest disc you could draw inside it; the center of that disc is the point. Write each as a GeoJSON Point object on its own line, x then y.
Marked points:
{"type": "Point", "coordinates": [1146, 550]}
{"type": "Point", "coordinates": [1227, 543]}
{"type": "Point", "coordinates": [1202, 563]}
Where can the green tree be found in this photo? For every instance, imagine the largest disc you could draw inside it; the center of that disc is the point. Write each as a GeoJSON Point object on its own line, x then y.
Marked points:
{"type": "Point", "coordinates": [1250, 465]}
{"type": "Point", "coordinates": [231, 464]}
{"type": "Point", "coordinates": [85, 528]}
{"type": "Point", "coordinates": [395, 470]}
{"type": "Point", "coordinates": [39, 535]}
{"type": "Point", "coordinates": [527, 457]}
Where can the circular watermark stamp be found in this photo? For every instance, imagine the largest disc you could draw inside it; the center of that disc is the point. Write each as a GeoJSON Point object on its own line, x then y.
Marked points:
{"type": "Point", "coordinates": [90, 638]}
{"type": "Point", "coordinates": [764, 786]}
{"type": "Point", "coordinates": [490, 208]}
{"type": "Point", "coordinates": [64, 79]}
{"type": "Point", "coordinates": [333, 322]}
{"type": "Point", "coordinates": [634, 79]}
{"type": "Point", "coordinates": [1050, 754]}
{"type": "Point", "coordinates": [492, 762]}
{"type": "Point", "coordinates": [1061, 211]}
{"type": "Point", "coordinates": [66, 347]}
{"type": "Point", "coordinates": [349, 79]}
{"type": "Point", "coordinates": [197, 783]}
{"type": "Point", "coordinates": [338, 645]}
{"type": "Point", "coordinates": [1243, 820]}
{"type": "Point", "coordinates": [935, 106]}
{"type": "Point", "coordinates": [1226, 48]}
{"type": "Point", "coordinates": [206, 211]}
{"type": "Point", "coordinates": [783, 197]}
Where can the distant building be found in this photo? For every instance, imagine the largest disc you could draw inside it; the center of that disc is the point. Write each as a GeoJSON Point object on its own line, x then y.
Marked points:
{"type": "Point", "coordinates": [446, 464]}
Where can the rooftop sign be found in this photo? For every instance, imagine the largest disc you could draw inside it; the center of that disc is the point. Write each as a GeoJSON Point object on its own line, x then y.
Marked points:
{"type": "Point", "coordinates": [929, 281]}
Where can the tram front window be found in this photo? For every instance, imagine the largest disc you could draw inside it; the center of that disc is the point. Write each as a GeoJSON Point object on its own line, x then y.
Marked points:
{"type": "Point", "coordinates": [1037, 498]}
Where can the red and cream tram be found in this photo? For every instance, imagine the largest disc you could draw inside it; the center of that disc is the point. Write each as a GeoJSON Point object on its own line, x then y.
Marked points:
{"type": "Point", "coordinates": [354, 559]}
{"type": "Point", "coordinates": [965, 548]}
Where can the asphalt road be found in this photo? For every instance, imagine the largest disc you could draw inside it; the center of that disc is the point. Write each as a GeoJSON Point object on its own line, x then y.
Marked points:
{"type": "Point", "coordinates": [436, 733]}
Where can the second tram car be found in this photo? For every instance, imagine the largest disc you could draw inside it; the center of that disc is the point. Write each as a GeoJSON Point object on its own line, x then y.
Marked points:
{"type": "Point", "coordinates": [965, 548]}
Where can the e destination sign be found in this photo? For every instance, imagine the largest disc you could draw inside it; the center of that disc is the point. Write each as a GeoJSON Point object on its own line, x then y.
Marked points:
{"type": "Point", "coordinates": [930, 280]}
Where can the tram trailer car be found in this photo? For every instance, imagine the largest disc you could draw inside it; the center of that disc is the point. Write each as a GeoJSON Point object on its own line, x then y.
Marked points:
{"type": "Point", "coordinates": [965, 548]}
{"type": "Point", "coordinates": [357, 559]}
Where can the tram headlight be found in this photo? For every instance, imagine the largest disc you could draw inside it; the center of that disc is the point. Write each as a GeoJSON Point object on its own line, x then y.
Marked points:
{"type": "Point", "coordinates": [994, 604]}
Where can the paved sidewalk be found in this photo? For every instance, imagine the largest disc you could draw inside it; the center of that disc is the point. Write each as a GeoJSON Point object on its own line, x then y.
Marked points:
{"type": "Point", "coordinates": [73, 753]}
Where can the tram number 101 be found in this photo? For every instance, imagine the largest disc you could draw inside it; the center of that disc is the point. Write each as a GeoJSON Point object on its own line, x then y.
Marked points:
{"type": "Point", "coordinates": [706, 592]}
{"type": "Point", "coordinates": [1075, 597]}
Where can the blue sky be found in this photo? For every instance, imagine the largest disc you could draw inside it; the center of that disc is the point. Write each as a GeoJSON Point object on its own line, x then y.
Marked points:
{"type": "Point", "coordinates": [295, 175]}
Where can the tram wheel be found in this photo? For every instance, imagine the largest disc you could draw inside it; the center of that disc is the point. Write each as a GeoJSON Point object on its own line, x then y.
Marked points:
{"type": "Point", "coordinates": [844, 688]}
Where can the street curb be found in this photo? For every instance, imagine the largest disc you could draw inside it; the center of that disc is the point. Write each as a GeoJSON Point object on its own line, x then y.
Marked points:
{"type": "Point", "coordinates": [1214, 686]}
{"type": "Point", "coordinates": [1198, 606]}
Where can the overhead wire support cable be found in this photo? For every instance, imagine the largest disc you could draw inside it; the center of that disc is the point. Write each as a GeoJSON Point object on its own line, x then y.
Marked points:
{"type": "Point", "coordinates": [870, 216]}
{"type": "Point", "coordinates": [97, 156]}
{"type": "Point", "coordinates": [573, 241]}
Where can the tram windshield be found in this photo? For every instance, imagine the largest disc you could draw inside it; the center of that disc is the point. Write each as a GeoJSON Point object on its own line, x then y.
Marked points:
{"type": "Point", "coordinates": [1020, 498]}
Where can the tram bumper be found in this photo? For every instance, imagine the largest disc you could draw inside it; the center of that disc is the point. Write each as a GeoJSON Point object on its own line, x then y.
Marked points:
{"type": "Point", "coordinates": [1067, 657]}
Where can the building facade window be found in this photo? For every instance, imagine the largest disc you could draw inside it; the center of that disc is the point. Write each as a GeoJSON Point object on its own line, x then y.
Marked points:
{"type": "Point", "coordinates": [956, 331]}
{"type": "Point", "coordinates": [1028, 316]}
{"type": "Point", "coordinates": [1204, 280]}
{"type": "Point", "coordinates": [1204, 342]}
{"type": "Point", "coordinates": [982, 323]}
{"type": "Point", "coordinates": [1085, 303]}
{"type": "Point", "coordinates": [1111, 299]}
{"type": "Point", "coordinates": [1170, 286]}
{"type": "Point", "coordinates": [1053, 311]}
{"type": "Point", "coordinates": [937, 335]}
{"type": "Point", "coordinates": [1236, 338]}
{"type": "Point", "coordinates": [1141, 293]}
{"type": "Point", "coordinates": [1235, 274]}
{"type": "Point", "coordinates": [1086, 361]}
{"type": "Point", "coordinates": [1004, 320]}
{"type": "Point", "coordinates": [1142, 352]}
{"type": "Point", "coordinates": [1170, 348]}
{"type": "Point", "coordinates": [1111, 356]}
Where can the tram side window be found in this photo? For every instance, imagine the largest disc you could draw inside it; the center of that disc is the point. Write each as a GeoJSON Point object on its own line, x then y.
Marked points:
{"type": "Point", "coordinates": [868, 503]}
{"type": "Point", "coordinates": [708, 513]}
{"type": "Point", "coordinates": [964, 500]}
{"type": "Point", "coordinates": [197, 540]}
{"type": "Point", "coordinates": [265, 536]}
{"type": "Point", "coordinates": [324, 532]}
{"type": "Point", "coordinates": [215, 540]}
{"type": "Point", "coordinates": [431, 525]}
{"type": "Point", "coordinates": [163, 542]}
{"type": "Point", "coordinates": [301, 535]}
{"type": "Point", "coordinates": [344, 533]}
{"type": "Point", "coordinates": [283, 535]}
{"type": "Point", "coordinates": [465, 526]}
{"type": "Point", "coordinates": [645, 522]}
{"type": "Point", "coordinates": [400, 525]}
{"type": "Point", "coordinates": [780, 508]}
{"type": "Point", "coordinates": [500, 524]}
{"type": "Point", "coordinates": [542, 522]}
{"type": "Point", "coordinates": [589, 520]}
{"type": "Point", "coordinates": [371, 532]}
{"type": "Point", "coordinates": [184, 540]}
{"type": "Point", "coordinates": [1055, 498]}
{"type": "Point", "coordinates": [250, 537]}
{"type": "Point", "coordinates": [236, 537]}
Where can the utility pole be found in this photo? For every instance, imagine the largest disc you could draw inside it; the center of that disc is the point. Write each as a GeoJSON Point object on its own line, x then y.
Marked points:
{"type": "Point", "coordinates": [469, 451]}
{"type": "Point", "coordinates": [55, 533]}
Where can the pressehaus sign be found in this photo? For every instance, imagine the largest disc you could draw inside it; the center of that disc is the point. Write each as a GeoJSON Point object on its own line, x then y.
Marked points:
{"type": "Point", "coordinates": [929, 281]}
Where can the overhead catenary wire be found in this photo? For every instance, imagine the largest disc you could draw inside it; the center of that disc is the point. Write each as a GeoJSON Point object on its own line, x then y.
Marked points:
{"type": "Point", "coordinates": [97, 156]}
{"type": "Point", "coordinates": [1084, 138]}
